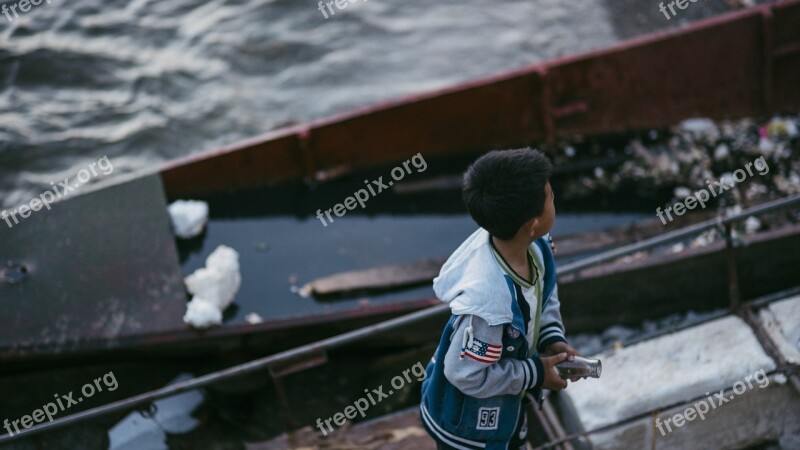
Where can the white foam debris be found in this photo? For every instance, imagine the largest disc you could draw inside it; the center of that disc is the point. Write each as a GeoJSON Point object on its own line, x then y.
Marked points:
{"type": "Point", "coordinates": [677, 248]}
{"type": "Point", "coordinates": [189, 217]}
{"type": "Point", "coordinates": [253, 318]}
{"type": "Point", "coordinates": [728, 180]}
{"type": "Point", "coordinates": [722, 151]}
{"type": "Point", "coordinates": [782, 322]}
{"type": "Point", "coordinates": [703, 239]}
{"type": "Point", "coordinates": [214, 285]}
{"type": "Point", "coordinates": [733, 211]}
{"type": "Point", "coordinates": [682, 192]}
{"type": "Point", "coordinates": [219, 280]}
{"type": "Point", "coordinates": [200, 313]}
{"type": "Point", "coordinates": [765, 145]}
{"type": "Point", "coordinates": [700, 127]}
{"type": "Point", "coordinates": [673, 368]}
{"type": "Point", "coordinates": [751, 225]}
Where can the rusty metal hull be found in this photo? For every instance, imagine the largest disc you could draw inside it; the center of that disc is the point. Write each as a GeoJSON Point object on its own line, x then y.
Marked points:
{"type": "Point", "coordinates": [740, 64]}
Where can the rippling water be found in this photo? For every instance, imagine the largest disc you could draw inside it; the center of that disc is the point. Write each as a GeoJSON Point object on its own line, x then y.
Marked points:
{"type": "Point", "coordinates": [145, 81]}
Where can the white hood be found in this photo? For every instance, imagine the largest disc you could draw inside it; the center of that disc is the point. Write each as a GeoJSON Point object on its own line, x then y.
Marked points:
{"type": "Point", "coordinates": [472, 282]}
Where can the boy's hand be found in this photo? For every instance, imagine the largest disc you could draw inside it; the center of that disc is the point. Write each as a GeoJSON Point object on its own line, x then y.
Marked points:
{"type": "Point", "coordinates": [563, 347]}
{"type": "Point", "coordinates": [552, 380]}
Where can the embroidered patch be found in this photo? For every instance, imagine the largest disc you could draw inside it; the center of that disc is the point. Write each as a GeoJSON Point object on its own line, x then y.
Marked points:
{"type": "Point", "coordinates": [483, 351]}
{"type": "Point", "coordinates": [552, 244]}
{"type": "Point", "coordinates": [512, 332]}
{"type": "Point", "coordinates": [488, 418]}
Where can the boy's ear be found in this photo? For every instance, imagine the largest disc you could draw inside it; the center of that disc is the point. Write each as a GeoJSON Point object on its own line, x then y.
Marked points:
{"type": "Point", "coordinates": [532, 224]}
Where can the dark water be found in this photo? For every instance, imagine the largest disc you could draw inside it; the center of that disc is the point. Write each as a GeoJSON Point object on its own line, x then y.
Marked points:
{"type": "Point", "coordinates": [281, 252]}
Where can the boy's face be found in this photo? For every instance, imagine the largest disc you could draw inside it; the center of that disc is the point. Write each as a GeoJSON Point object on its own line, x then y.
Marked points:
{"type": "Point", "coordinates": [548, 217]}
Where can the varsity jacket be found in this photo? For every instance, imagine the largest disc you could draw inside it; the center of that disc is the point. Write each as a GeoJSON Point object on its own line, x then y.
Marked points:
{"type": "Point", "coordinates": [485, 361]}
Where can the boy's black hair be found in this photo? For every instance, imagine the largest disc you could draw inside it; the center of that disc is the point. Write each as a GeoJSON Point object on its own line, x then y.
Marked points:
{"type": "Point", "coordinates": [505, 188]}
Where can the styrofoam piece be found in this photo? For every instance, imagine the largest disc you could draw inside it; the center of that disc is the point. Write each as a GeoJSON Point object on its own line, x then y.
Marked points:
{"type": "Point", "coordinates": [782, 322]}
{"type": "Point", "coordinates": [663, 371]}
{"type": "Point", "coordinates": [219, 280]}
{"type": "Point", "coordinates": [189, 217]}
{"type": "Point", "coordinates": [762, 414]}
{"type": "Point", "coordinates": [214, 287]}
{"type": "Point", "coordinates": [201, 313]}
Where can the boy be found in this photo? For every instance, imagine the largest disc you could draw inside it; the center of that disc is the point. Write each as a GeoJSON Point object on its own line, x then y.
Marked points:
{"type": "Point", "coordinates": [504, 300]}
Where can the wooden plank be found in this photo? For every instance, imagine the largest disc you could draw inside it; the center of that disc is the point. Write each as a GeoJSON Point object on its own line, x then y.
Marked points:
{"type": "Point", "coordinates": [374, 280]}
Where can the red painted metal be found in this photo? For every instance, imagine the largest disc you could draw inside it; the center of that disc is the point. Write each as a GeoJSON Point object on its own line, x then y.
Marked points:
{"type": "Point", "coordinates": [740, 64]}
{"type": "Point", "coordinates": [713, 70]}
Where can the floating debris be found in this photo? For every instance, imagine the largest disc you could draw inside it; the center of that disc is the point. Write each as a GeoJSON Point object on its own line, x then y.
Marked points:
{"type": "Point", "coordinates": [751, 225]}
{"type": "Point", "coordinates": [253, 318]}
{"type": "Point", "coordinates": [189, 217]}
{"type": "Point", "coordinates": [633, 257]}
{"type": "Point", "coordinates": [682, 192]}
{"type": "Point", "coordinates": [677, 248]}
{"type": "Point", "coordinates": [201, 313]}
{"type": "Point", "coordinates": [213, 286]}
{"type": "Point", "coordinates": [721, 152]}
{"type": "Point", "coordinates": [705, 238]}
{"type": "Point", "coordinates": [700, 128]}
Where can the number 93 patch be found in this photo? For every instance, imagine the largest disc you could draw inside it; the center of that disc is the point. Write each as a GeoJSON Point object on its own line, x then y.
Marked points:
{"type": "Point", "coordinates": [488, 418]}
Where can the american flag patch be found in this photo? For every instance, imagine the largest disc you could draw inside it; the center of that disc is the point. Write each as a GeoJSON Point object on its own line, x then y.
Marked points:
{"type": "Point", "coordinates": [482, 351]}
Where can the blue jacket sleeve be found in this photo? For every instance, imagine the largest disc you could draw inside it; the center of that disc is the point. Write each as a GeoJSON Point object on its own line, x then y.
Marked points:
{"type": "Point", "coordinates": [552, 329]}
{"type": "Point", "coordinates": [474, 366]}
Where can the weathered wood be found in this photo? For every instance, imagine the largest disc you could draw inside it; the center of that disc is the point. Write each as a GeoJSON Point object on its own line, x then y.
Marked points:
{"type": "Point", "coordinates": [374, 280]}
